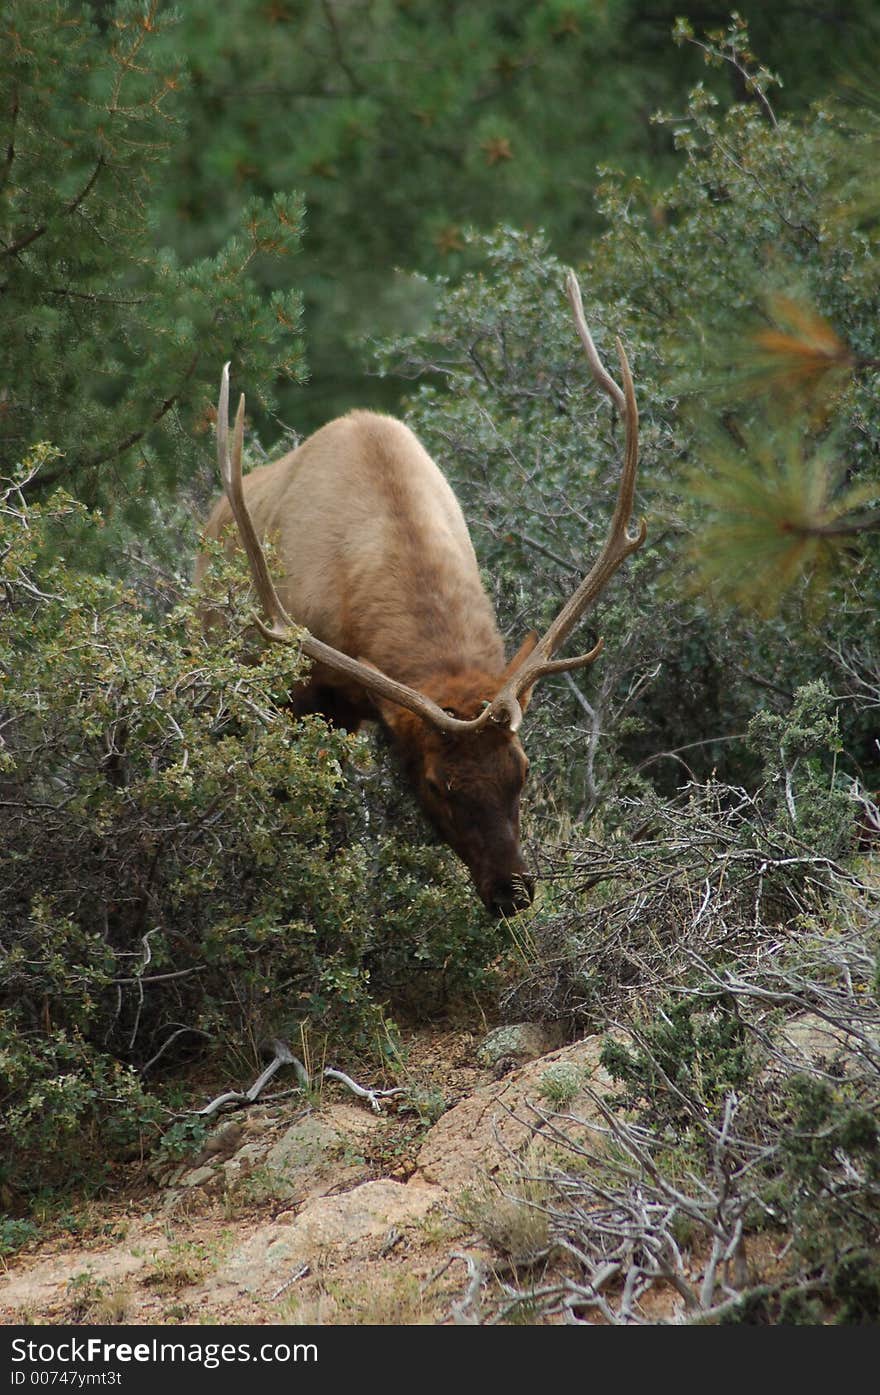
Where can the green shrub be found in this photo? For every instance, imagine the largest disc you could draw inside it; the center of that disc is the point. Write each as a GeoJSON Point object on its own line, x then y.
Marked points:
{"type": "Point", "coordinates": [691, 1054]}
{"type": "Point", "coordinates": [744, 292]}
{"type": "Point", "coordinates": [183, 866]}
{"type": "Point", "coordinates": [831, 1170]}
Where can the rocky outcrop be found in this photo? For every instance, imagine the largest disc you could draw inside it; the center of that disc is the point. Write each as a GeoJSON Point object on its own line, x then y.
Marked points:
{"type": "Point", "coordinates": [305, 1202]}
{"type": "Point", "coordinates": [499, 1124]}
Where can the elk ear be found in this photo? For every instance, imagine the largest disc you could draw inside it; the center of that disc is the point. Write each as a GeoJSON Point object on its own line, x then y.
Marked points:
{"type": "Point", "coordinates": [391, 713]}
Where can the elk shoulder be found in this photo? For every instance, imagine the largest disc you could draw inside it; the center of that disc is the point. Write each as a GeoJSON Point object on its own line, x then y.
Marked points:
{"type": "Point", "coordinates": [373, 554]}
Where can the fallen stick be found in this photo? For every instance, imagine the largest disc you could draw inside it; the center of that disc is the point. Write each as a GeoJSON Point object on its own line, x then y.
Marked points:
{"type": "Point", "coordinates": [283, 1057]}
{"type": "Point", "coordinates": [374, 1096]}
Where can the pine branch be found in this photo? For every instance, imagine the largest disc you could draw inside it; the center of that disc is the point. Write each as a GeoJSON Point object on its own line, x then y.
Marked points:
{"type": "Point", "coordinates": [10, 149]}
{"type": "Point", "coordinates": [843, 529]}
{"type": "Point", "coordinates": [91, 462]}
{"type": "Point", "coordinates": [39, 483]}
{"type": "Point", "coordinates": [15, 247]}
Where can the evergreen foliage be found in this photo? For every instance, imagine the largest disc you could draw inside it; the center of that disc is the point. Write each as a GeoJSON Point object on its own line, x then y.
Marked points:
{"type": "Point", "coordinates": [405, 122]}
{"type": "Point", "coordinates": [183, 867]}
{"type": "Point", "coordinates": [112, 344]}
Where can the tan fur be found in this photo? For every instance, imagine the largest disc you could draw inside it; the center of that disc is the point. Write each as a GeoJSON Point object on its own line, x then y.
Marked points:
{"type": "Point", "coordinates": [373, 553]}
{"type": "Point", "coordinates": [373, 556]}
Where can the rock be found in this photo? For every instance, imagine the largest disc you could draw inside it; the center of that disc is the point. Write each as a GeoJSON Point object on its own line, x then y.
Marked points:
{"type": "Point", "coordinates": [194, 1178]}
{"type": "Point", "coordinates": [47, 1282]}
{"type": "Point", "coordinates": [357, 1220]}
{"type": "Point", "coordinates": [222, 1143]}
{"type": "Point", "coordinates": [494, 1126]}
{"type": "Point", "coordinates": [320, 1152]}
{"type": "Point", "coordinates": [514, 1044]}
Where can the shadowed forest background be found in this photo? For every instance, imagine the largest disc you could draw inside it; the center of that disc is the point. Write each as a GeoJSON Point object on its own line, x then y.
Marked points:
{"type": "Point", "coordinates": [372, 203]}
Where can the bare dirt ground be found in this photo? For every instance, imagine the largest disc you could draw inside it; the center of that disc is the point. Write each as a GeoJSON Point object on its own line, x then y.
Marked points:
{"type": "Point", "coordinates": [341, 1224]}
{"type": "Point", "coordinates": [326, 1212]}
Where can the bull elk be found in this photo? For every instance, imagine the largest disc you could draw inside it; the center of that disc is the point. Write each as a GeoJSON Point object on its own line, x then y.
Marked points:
{"type": "Point", "coordinates": [376, 563]}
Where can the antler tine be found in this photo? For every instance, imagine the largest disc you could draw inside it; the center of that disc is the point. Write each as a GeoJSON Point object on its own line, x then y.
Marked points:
{"type": "Point", "coordinates": [627, 491]}
{"type": "Point", "coordinates": [597, 367]}
{"type": "Point", "coordinates": [618, 544]}
{"type": "Point", "coordinates": [230, 473]}
{"type": "Point", "coordinates": [281, 629]}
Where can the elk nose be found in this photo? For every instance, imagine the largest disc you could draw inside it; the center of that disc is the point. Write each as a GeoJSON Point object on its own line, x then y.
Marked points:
{"type": "Point", "coordinates": [507, 898]}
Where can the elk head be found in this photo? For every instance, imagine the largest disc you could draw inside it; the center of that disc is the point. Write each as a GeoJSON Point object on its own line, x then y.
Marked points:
{"type": "Point", "coordinates": [469, 782]}
{"type": "Point", "coordinates": [457, 733]}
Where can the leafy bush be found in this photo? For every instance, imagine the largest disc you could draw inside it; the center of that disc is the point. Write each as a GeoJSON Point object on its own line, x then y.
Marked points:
{"type": "Point", "coordinates": [182, 864]}
{"type": "Point", "coordinates": [744, 293]}
{"type": "Point", "coordinates": [694, 1048]}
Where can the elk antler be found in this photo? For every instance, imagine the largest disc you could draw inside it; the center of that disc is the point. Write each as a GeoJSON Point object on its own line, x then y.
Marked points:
{"type": "Point", "coordinates": [618, 544]}
{"type": "Point", "coordinates": [505, 708]}
{"type": "Point", "coordinates": [281, 629]}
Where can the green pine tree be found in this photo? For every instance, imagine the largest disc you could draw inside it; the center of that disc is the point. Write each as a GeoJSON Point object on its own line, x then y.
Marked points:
{"type": "Point", "coordinates": [112, 344]}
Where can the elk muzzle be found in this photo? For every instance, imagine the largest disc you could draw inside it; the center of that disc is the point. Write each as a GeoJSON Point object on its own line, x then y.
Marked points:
{"type": "Point", "coordinates": [508, 896]}
{"type": "Point", "coordinates": [500, 875]}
